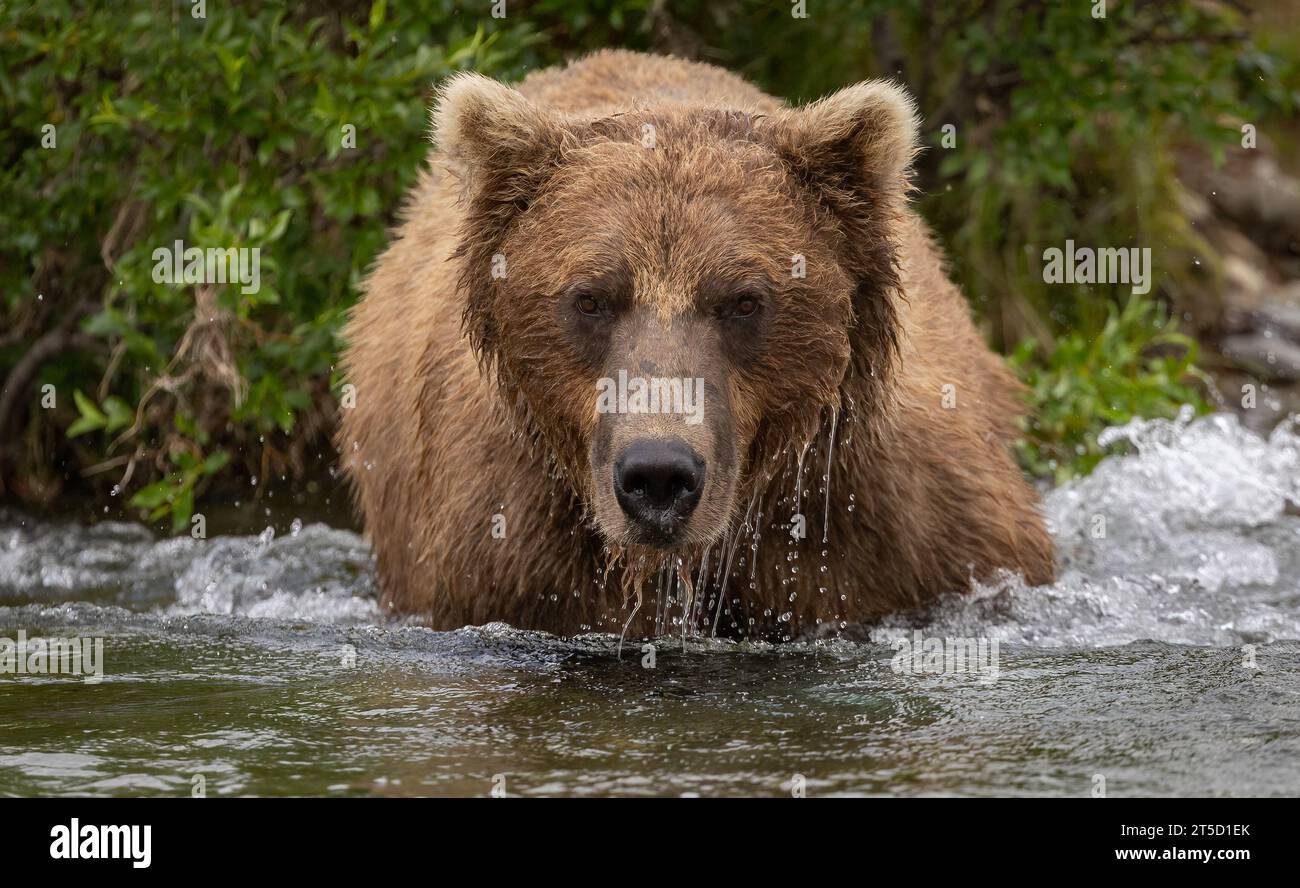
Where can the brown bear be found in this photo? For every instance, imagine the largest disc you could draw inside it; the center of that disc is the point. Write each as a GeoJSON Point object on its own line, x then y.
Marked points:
{"type": "Point", "coordinates": [653, 352]}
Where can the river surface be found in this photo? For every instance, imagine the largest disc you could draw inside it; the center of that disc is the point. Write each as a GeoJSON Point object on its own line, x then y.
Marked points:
{"type": "Point", "coordinates": [1165, 661]}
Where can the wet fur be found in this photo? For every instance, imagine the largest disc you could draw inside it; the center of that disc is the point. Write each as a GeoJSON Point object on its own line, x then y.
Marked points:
{"type": "Point", "coordinates": [466, 407]}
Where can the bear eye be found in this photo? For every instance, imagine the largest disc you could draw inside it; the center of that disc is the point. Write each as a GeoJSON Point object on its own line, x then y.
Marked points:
{"type": "Point", "coordinates": [743, 305]}
{"type": "Point", "coordinates": [587, 302]}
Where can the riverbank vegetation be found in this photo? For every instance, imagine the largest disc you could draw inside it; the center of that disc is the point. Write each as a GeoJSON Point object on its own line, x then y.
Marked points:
{"type": "Point", "coordinates": [295, 128]}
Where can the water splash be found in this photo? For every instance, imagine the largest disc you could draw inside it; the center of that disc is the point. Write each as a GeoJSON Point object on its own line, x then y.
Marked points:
{"type": "Point", "coordinates": [1192, 537]}
{"type": "Point", "coordinates": [318, 573]}
{"type": "Point", "coordinates": [1190, 540]}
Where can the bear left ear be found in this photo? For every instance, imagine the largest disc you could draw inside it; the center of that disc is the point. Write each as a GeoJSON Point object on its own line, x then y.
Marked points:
{"type": "Point", "coordinates": [853, 152]}
{"type": "Point", "coordinates": [861, 139]}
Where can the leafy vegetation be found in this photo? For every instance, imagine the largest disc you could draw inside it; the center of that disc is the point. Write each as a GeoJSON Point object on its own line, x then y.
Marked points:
{"type": "Point", "coordinates": [237, 130]}
{"type": "Point", "coordinates": [1138, 365]}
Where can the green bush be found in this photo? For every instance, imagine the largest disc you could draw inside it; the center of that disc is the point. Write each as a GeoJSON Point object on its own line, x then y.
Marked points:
{"type": "Point", "coordinates": [1138, 365]}
{"type": "Point", "coordinates": [229, 131]}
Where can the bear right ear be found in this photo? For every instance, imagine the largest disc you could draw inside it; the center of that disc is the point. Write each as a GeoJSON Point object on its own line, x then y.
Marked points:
{"type": "Point", "coordinates": [502, 148]}
{"type": "Point", "coordinates": [495, 140]}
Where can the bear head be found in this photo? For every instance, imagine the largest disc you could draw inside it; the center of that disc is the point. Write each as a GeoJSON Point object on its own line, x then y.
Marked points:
{"type": "Point", "coordinates": [672, 297]}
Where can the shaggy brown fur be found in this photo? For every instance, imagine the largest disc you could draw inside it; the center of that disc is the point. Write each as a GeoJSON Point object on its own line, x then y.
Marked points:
{"type": "Point", "coordinates": [658, 190]}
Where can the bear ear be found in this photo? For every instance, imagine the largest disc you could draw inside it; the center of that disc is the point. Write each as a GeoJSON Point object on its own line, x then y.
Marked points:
{"type": "Point", "coordinates": [493, 138]}
{"type": "Point", "coordinates": [860, 139]}
{"type": "Point", "coordinates": [502, 148]}
{"type": "Point", "coordinates": [853, 151]}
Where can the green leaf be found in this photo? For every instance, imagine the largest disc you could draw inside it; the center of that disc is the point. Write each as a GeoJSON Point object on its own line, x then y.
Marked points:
{"type": "Point", "coordinates": [91, 416]}
{"type": "Point", "coordinates": [215, 462]}
{"type": "Point", "coordinates": [120, 414]}
{"type": "Point", "coordinates": [153, 495]}
{"type": "Point", "coordinates": [182, 508]}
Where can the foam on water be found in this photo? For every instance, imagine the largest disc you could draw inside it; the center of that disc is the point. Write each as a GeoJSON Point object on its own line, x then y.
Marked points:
{"type": "Point", "coordinates": [316, 573]}
{"type": "Point", "coordinates": [1191, 537]}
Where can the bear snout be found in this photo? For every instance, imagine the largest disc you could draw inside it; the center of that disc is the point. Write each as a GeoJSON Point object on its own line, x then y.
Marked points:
{"type": "Point", "coordinates": [658, 482]}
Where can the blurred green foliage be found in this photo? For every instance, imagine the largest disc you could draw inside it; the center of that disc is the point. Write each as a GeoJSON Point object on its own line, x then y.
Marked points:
{"type": "Point", "coordinates": [1138, 365]}
{"type": "Point", "coordinates": [230, 131]}
{"type": "Point", "coordinates": [224, 131]}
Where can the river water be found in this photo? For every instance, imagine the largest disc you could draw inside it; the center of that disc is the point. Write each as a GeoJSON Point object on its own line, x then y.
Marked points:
{"type": "Point", "coordinates": [1165, 660]}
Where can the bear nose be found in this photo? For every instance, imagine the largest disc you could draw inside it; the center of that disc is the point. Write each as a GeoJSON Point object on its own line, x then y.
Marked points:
{"type": "Point", "coordinates": [658, 482]}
